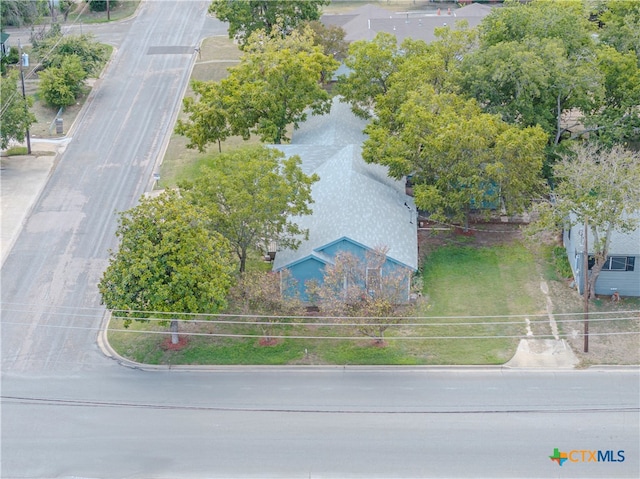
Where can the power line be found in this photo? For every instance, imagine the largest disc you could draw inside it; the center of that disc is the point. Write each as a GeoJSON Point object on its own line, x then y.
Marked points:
{"type": "Point", "coordinates": [267, 316]}
{"type": "Point", "coordinates": [359, 337]}
{"type": "Point", "coordinates": [44, 57]}
{"type": "Point", "coordinates": [34, 400]}
{"type": "Point", "coordinates": [292, 320]}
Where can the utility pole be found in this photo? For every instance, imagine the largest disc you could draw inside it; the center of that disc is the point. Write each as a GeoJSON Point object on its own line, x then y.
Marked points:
{"type": "Point", "coordinates": [24, 62]}
{"type": "Point", "coordinates": [108, 12]}
{"type": "Point", "coordinates": [585, 280]}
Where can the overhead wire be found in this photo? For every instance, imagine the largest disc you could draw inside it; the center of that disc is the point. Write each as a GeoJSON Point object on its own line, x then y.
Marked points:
{"type": "Point", "coordinates": [44, 57]}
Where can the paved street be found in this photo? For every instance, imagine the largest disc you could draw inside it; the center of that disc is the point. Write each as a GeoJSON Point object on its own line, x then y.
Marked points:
{"type": "Point", "coordinates": [69, 411]}
{"type": "Point", "coordinates": [335, 422]}
{"type": "Point", "coordinates": [49, 278]}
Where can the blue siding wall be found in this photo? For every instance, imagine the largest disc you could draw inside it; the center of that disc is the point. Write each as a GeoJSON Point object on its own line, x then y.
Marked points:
{"type": "Point", "coordinates": [344, 246]}
{"type": "Point", "coordinates": [625, 283]}
{"type": "Point", "coordinates": [304, 271]}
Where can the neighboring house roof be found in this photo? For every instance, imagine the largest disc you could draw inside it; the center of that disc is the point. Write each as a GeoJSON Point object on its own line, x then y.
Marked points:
{"type": "Point", "coordinates": [353, 199]}
{"type": "Point", "coordinates": [365, 22]}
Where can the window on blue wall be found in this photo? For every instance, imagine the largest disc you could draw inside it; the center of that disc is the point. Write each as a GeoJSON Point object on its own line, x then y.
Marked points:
{"type": "Point", "coordinates": [374, 279]}
{"type": "Point", "coordinates": [619, 263]}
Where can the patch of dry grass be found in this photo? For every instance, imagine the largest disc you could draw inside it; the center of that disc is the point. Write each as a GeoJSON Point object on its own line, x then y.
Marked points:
{"type": "Point", "coordinates": [179, 162]}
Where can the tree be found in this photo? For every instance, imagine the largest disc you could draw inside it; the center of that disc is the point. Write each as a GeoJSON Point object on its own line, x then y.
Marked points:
{"type": "Point", "coordinates": [372, 63]}
{"type": "Point", "coordinates": [275, 85]}
{"type": "Point", "coordinates": [620, 20]}
{"type": "Point", "coordinates": [250, 196]}
{"type": "Point", "coordinates": [458, 157]}
{"type": "Point", "coordinates": [378, 65]}
{"type": "Point", "coordinates": [363, 291]}
{"type": "Point", "coordinates": [616, 119]}
{"type": "Point", "coordinates": [168, 262]}
{"type": "Point", "coordinates": [22, 12]}
{"type": "Point", "coordinates": [16, 117]}
{"type": "Point", "coordinates": [330, 39]}
{"type": "Point", "coordinates": [101, 5]}
{"type": "Point", "coordinates": [65, 7]}
{"type": "Point", "coordinates": [263, 295]}
{"type": "Point", "coordinates": [247, 16]}
{"type": "Point", "coordinates": [599, 186]}
{"type": "Point", "coordinates": [54, 48]}
{"type": "Point", "coordinates": [208, 120]}
{"type": "Point", "coordinates": [536, 65]}
{"type": "Point", "coordinates": [60, 86]}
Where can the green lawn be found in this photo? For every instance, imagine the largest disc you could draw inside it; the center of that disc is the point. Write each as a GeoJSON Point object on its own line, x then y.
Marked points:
{"type": "Point", "coordinates": [463, 282]}
{"type": "Point", "coordinates": [179, 162]}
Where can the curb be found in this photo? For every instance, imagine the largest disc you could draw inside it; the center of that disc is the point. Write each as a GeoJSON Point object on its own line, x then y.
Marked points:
{"type": "Point", "coordinates": [108, 351]}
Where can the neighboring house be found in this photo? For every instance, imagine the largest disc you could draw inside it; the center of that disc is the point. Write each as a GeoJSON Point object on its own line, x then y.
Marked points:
{"type": "Point", "coordinates": [365, 22]}
{"type": "Point", "coordinates": [357, 207]}
{"type": "Point", "coordinates": [4, 44]}
{"type": "Point", "coordinates": [621, 272]}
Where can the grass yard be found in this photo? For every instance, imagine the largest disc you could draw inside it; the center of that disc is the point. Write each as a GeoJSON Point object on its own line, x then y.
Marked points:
{"type": "Point", "coordinates": [477, 296]}
{"type": "Point", "coordinates": [119, 11]}
{"type": "Point", "coordinates": [466, 282]}
{"type": "Point", "coordinates": [179, 162]}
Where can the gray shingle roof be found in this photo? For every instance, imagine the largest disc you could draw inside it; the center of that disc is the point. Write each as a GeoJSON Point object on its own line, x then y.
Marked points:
{"type": "Point", "coordinates": [353, 199]}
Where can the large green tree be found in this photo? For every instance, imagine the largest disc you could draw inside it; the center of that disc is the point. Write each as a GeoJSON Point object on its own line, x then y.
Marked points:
{"type": "Point", "coordinates": [459, 157]}
{"type": "Point", "coordinates": [168, 261]}
{"type": "Point", "coordinates": [620, 25]}
{"type": "Point", "coordinates": [248, 16]}
{"type": "Point", "coordinates": [616, 119]}
{"type": "Point", "coordinates": [61, 86]}
{"type": "Point", "coordinates": [15, 116]}
{"type": "Point", "coordinates": [371, 64]}
{"type": "Point", "coordinates": [275, 85]}
{"type": "Point", "coordinates": [536, 65]}
{"type": "Point", "coordinates": [377, 65]}
{"type": "Point", "coordinates": [250, 196]}
{"type": "Point", "coordinates": [598, 186]}
{"type": "Point", "coordinates": [208, 120]}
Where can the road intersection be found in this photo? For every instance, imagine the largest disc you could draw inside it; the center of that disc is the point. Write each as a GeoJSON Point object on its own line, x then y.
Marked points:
{"type": "Point", "coordinates": [68, 410]}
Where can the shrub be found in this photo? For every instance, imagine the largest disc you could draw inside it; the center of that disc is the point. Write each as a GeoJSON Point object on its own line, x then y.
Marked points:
{"type": "Point", "coordinates": [60, 86]}
{"type": "Point", "coordinates": [561, 262]}
{"type": "Point", "coordinates": [101, 5]}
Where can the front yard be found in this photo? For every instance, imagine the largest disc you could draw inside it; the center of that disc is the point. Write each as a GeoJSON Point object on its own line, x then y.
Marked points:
{"type": "Point", "coordinates": [471, 312]}
{"type": "Point", "coordinates": [481, 294]}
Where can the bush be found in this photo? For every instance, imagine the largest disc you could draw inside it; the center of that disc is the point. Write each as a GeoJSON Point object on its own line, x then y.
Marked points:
{"type": "Point", "coordinates": [10, 59]}
{"type": "Point", "coordinates": [101, 5]}
{"type": "Point", "coordinates": [60, 86]}
{"type": "Point", "coordinates": [53, 49]}
{"type": "Point", "coordinates": [561, 262]}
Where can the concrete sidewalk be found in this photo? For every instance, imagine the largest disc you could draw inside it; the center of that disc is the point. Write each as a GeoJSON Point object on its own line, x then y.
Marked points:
{"type": "Point", "coordinates": [22, 179]}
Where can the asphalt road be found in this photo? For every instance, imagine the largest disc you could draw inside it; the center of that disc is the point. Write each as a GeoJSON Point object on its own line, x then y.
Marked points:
{"type": "Point", "coordinates": [319, 423]}
{"type": "Point", "coordinates": [68, 411]}
{"type": "Point", "coordinates": [49, 279]}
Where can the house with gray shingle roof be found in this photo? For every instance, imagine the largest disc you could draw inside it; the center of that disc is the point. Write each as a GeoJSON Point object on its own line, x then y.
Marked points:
{"type": "Point", "coordinates": [357, 207]}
